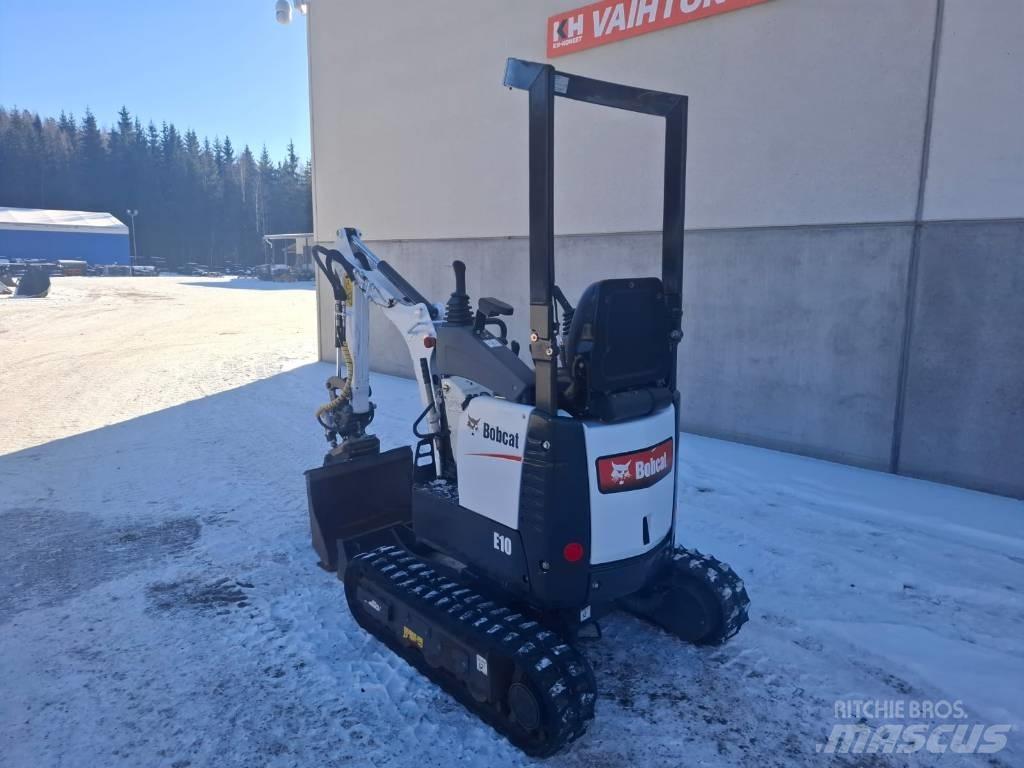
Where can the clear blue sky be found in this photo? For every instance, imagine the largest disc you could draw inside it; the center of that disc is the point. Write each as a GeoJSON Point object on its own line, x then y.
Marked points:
{"type": "Point", "coordinates": [221, 67]}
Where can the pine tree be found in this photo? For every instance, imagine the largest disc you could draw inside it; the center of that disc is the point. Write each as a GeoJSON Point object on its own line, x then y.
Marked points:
{"type": "Point", "coordinates": [265, 183]}
{"type": "Point", "coordinates": [125, 126]}
{"type": "Point", "coordinates": [192, 145]}
{"type": "Point", "coordinates": [123, 164]}
{"type": "Point", "coordinates": [66, 121]}
{"type": "Point", "coordinates": [92, 165]}
{"type": "Point", "coordinates": [246, 172]}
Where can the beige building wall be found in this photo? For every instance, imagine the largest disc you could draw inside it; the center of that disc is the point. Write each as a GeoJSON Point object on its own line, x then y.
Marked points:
{"type": "Point", "coordinates": [801, 111]}
{"type": "Point", "coordinates": [976, 168]}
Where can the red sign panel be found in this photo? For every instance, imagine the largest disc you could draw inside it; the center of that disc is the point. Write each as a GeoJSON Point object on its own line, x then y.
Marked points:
{"type": "Point", "coordinates": [609, 21]}
{"type": "Point", "coordinates": [636, 469]}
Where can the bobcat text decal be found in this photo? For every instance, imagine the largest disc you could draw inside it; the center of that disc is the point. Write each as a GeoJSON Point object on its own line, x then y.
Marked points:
{"type": "Point", "coordinates": [638, 469]}
{"type": "Point", "coordinates": [612, 20]}
{"type": "Point", "coordinates": [497, 435]}
{"type": "Point", "coordinates": [493, 433]}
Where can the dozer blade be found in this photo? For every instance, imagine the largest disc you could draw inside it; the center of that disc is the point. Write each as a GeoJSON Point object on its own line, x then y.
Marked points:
{"type": "Point", "coordinates": [354, 504]}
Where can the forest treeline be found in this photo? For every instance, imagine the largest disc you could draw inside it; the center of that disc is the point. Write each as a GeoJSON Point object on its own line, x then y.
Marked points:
{"type": "Point", "coordinates": [198, 201]}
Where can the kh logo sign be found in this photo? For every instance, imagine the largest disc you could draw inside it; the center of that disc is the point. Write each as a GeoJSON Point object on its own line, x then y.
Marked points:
{"type": "Point", "coordinates": [609, 21]}
{"type": "Point", "coordinates": [637, 469]}
{"type": "Point", "coordinates": [568, 30]}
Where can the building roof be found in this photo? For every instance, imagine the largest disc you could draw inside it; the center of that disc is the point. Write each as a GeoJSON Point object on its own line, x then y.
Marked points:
{"type": "Point", "coordinates": [289, 236]}
{"type": "Point", "coordinates": [41, 220]}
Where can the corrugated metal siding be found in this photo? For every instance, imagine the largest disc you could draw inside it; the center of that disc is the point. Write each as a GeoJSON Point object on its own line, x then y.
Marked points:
{"type": "Point", "coordinates": [94, 248]}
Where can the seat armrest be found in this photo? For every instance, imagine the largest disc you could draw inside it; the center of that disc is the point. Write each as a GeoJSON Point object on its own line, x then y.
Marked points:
{"type": "Point", "coordinates": [491, 307]}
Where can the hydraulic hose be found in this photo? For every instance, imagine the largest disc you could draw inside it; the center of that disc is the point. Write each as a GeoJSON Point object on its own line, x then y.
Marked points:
{"type": "Point", "coordinates": [346, 354]}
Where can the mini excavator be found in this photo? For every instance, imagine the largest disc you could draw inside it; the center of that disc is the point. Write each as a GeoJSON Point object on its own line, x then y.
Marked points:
{"type": "Point", "coordinates": [540, 491]}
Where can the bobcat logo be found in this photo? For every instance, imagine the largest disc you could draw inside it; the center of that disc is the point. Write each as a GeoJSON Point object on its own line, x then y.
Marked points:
{"type": "Point", "coordinates": [472, 423]}
{"type": "Point", "coordinates": [632, 471]}
{"type": "Point", "coordinates": [620, 472]}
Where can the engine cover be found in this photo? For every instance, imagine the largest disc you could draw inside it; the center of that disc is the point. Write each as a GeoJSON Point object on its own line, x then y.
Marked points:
{"type": "Point", "coordinates": [632, 484]}
{"type": "Point", "coordinates": [629, 466]}
{"type": "Point", "coordinates": [489, 455]}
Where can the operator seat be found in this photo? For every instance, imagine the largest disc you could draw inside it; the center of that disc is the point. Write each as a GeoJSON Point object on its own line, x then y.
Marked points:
{"type": "Point", "coordinates": [619, 354]}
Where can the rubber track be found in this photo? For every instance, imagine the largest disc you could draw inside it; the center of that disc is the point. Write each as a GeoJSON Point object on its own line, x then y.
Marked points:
{"type": "Point", "coordinates": [541, 656]}
{"type": "Point", "coordinates": [726, 585]}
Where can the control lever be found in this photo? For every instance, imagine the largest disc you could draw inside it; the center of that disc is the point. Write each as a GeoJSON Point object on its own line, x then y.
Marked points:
{"type": "Point", "coordinates": [457, 311]}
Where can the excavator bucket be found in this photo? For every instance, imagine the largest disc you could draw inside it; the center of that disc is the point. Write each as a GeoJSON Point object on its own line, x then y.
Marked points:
{"type": "Point", "coordinates": [354, 505]}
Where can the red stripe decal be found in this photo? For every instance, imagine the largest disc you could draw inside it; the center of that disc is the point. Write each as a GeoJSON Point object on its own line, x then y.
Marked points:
{"type": "Point", "coordinates": [509, 456]}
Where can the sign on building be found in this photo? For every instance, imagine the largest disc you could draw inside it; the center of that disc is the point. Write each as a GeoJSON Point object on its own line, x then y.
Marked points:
{"type": "Point", "coordinates": [609, 21]}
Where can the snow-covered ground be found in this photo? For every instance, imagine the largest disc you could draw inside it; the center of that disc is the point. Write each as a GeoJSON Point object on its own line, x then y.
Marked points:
{"type": "Point", "coordinates": [160, 604]}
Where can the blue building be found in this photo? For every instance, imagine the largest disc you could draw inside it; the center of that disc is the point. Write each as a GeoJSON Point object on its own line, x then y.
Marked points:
{"type": "Point", "coordinates": [31, 233]}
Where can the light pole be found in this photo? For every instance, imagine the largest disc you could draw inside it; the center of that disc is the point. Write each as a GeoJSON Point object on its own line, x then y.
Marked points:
{"type": "Point", "coordinates": [283, 10]}
{"type": "Point", "coordinates": [133, 212]}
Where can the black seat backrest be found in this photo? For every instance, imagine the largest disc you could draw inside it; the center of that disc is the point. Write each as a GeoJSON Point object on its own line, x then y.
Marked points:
{"type": "Point", "coordinates": [618, 341]}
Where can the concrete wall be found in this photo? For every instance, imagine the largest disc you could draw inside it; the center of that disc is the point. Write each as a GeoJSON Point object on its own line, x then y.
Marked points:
{"type": "Point", "coordinates": [790, 338]}
{"type": "Point", "coordinates": [964, 418]}
{"type": "Point", "coordinates": [809, 315]}
{"type": "Point", "coordinates": [855, 205]}
{"type": "Point", "coordinates": [963, 402]}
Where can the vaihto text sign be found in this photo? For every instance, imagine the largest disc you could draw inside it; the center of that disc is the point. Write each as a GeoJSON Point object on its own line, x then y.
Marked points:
{"type": "Point", "coordinates": [612, 20]}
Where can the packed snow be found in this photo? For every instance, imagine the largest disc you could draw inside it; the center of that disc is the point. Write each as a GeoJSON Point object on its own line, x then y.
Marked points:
{"type": "Point", "coordinates": [160, 604]}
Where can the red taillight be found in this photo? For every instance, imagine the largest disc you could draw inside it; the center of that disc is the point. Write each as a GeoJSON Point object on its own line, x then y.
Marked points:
{"type": "Point", "coordinates": [429, 342]}
{"type": "Point", "coordinates": [573, 551]}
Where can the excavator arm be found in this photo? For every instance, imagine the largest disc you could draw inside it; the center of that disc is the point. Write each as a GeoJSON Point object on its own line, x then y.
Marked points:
{"type": "Point", "coordinates": [359, 279]}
